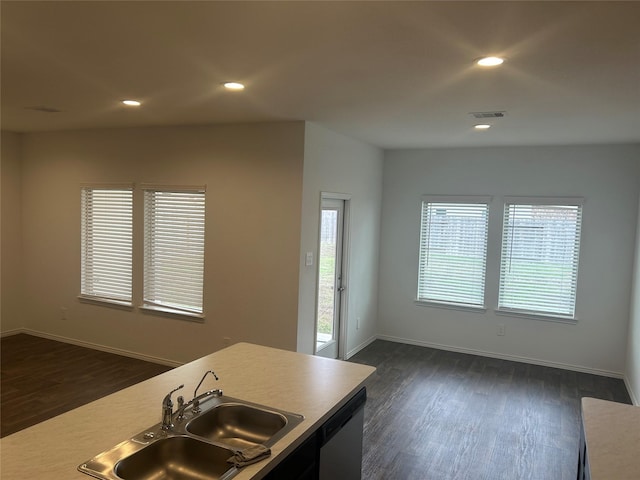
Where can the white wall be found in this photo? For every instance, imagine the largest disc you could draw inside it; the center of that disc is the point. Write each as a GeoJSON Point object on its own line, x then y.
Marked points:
{"type": "Point", "coordinates": [11, 241]}
{"type": "Point", "coordinates": [632, 374]}
{"type": "Point", "coordinates": [255, 179]}
{"type": "Point", "coordinates": [253, 175]}
{"type": "Point", "coordinates": [338, 164]}
{"type": "Point", "coordinates": [606, 176]}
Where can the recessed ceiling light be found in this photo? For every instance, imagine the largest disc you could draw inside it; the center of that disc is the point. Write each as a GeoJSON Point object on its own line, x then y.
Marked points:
{"type": "Point", "coordinates": [132, 103]}
{"type": "Point", "coordinates": [482, 126]}
{"type": "Point", "coordinates": [490, 61]}
{"type": "Point", "coordinates": [234, 86]}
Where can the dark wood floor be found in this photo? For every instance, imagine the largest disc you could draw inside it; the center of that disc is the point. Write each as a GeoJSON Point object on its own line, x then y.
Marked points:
{"type": "Point", "coordinates": [438, 415]}
{"type": "Point", "coordinates": [430, 414]}
{"type": "Point", "coordinates": [42, 378]}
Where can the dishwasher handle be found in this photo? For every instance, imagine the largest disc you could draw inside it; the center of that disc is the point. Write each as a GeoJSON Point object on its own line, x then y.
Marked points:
{"type": "Point", "coordinates": [342, 416]}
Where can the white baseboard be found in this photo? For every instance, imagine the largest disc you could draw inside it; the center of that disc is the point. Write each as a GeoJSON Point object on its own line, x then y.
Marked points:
{"type": "Point", "coordinates": [95, 346]}
{"type": "Point", "coordinates": [355, 350]}
{"type": "Point", "coordinates": [350, 353]}
{"type": "Point", "coordinates": [634, 397]}
{"type": "Point", "coordinates": [513, 358]}
{"type": "Point", "coordinates": [9, 333]}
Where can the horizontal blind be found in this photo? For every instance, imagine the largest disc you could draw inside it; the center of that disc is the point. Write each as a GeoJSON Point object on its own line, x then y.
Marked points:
{"type": "Point", "coordinates": [539, 265]}
{"type": "Point", "coordinates": [106, 243]}
{"type": "Point", "coordinates": [174, 249]}
{"type": "Point", "coordinates": [453, 250]}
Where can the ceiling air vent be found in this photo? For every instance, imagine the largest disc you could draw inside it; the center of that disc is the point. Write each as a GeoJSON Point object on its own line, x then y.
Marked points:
{"type": "Point", "coordinates": [488, 114]}
{"type": "Point", "coordinates": [41, 108]}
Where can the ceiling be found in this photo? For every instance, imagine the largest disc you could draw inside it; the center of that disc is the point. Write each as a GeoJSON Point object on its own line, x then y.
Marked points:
{"type": "Point", "coordinates": [390, 73]}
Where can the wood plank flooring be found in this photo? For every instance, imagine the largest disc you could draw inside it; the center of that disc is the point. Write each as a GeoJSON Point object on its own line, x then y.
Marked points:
{"type": "Point", "coordinates": [42, 378]}
{"type": "Point", "coordinates": [430, 414]}
{"type": "Point", "coordinates": [438, 415]}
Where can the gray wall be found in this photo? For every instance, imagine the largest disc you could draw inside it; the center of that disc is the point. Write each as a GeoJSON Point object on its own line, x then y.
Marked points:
{"type": "Point", "coordinates": [253, 175]}
{"type": "Point", "coordinates": [606, 176]}
{"type": "Point", "coordinates": [338, 164]}
{"type": "Point", "coordinates": [255, 180]}
{"type": "Point", "coordinates": [11, 309]}
{"type": "Point", "coordinates": [633, 350]}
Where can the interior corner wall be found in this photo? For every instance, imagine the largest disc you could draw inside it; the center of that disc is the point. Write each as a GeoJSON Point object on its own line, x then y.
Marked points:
{"type": "Point", "coordinates": [632, 374]}
{"type": "Point", "coordinates": [339, 164]}
{"type": "Point", "coordinates": [253, 177]}
{"type": "Point", "coordinates": [605, 175]}
{"type": "Point", "coordinates": [11, 311]}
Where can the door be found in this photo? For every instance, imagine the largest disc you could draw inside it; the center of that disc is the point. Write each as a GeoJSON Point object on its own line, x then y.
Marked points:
{"type": "Point", "coordinates": [331, 281]}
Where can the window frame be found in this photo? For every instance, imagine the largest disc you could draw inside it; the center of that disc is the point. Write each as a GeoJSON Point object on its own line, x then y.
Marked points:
{"type": "Point", "coordinates": [154, 305]}
{"type": "Point", "coordinates": [86, 294]}
{"type": "Point", "coordinates": [467, 200]}
{"type": "Point", "coordinates": [542, 314]}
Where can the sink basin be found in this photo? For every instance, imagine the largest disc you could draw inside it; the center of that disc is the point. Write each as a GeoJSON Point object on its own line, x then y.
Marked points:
{"type": "Point", "coordinates": [237, 425]}
{"type": "Point", "coordinates": [196, 447]}
{"type": "Point", "coordinates": [175, 458]}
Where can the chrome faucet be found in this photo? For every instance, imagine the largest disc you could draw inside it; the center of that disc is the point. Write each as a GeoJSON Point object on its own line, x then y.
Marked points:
{"type": "Point", "coordinates": [167, 409]}
{"type": "Point", "coordinates": [196, 398]}
{"type": "Point", "coordinates": [195, 401]}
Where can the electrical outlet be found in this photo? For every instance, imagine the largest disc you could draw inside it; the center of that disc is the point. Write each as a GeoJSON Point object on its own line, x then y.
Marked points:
{"type": "Point", "coordinates": [501, 330]}
{"type": "Point", "coordinates": [64, 314]}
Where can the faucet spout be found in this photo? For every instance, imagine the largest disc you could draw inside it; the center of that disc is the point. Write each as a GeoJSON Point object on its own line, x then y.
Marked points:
{"type": "Point", "coordinates": [195, 392]}
{"type": "Point", "coordinates": [196, 397]}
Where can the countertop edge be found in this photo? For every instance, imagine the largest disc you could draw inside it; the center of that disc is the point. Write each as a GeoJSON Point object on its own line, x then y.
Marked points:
{"type": "Point", "coordinates": [314, 387]}
{"type": "Point", "coordinates": [612, 438]}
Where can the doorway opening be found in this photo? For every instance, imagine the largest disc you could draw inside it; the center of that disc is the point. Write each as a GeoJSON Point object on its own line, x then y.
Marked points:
{"type": "Point", "coordinates": [331, 311]}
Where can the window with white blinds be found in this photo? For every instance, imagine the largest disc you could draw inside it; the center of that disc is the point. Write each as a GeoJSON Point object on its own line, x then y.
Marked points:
{"type": "Point", "coordinates": [453, 251]}
{"type": "Point", "coordinates": [540, 249]}
{"type": "Point", "coordinates": [106, 244]}
{"type": "Point", "coordinates": [174, 249]}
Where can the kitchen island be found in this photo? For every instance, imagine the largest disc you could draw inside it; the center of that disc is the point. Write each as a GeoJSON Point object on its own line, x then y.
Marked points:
{"type": "Point", "coordinates": [311, 386]}
{"type": "Point", "coordinates": [610, 441]}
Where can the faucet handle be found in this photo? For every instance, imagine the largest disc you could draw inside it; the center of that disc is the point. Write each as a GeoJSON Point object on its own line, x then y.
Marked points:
{"type": "Point", "coordinates": [167, 399]}
{"type": "Point", "coordinates": [180, 409]}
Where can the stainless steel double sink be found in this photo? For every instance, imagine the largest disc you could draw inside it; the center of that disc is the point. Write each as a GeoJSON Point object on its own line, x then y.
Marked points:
{"type": "Point", "coordinates": [197, 446]}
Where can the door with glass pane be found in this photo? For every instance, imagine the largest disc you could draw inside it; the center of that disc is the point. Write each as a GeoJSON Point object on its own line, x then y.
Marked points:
{"type": "Point", "coordinates": [330, 278]}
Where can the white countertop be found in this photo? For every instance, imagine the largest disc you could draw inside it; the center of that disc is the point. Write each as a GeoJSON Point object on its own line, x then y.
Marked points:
{"type": "Point", "coordinates": [307, 385]}
{"type": "Point", "coordinates": [612, 435]}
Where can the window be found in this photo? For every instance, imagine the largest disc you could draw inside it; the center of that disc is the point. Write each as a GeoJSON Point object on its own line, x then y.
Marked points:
{"type": "Point", "coordinates": [174, 250]}
{"type": "Point", "coordinates": [106, 225]}
{"type": "Point", "coordinates": [453, 250]}
{"type": "Point", "coordinates": [540, 247]}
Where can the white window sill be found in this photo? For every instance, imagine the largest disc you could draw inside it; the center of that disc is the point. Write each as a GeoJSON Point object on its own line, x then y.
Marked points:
{"type": "Point", "coordinates": [172, 313]}
{"type": "Point", "coordinates": [105, 302]}
{"type": "Point", "coordinates": [451, 306]}
{"type": "Point", "coordinates": [536, 316]}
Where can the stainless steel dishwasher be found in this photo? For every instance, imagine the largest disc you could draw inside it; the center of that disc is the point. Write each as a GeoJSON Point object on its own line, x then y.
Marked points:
{"type": "Point", "coordinates": [341, 441]}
